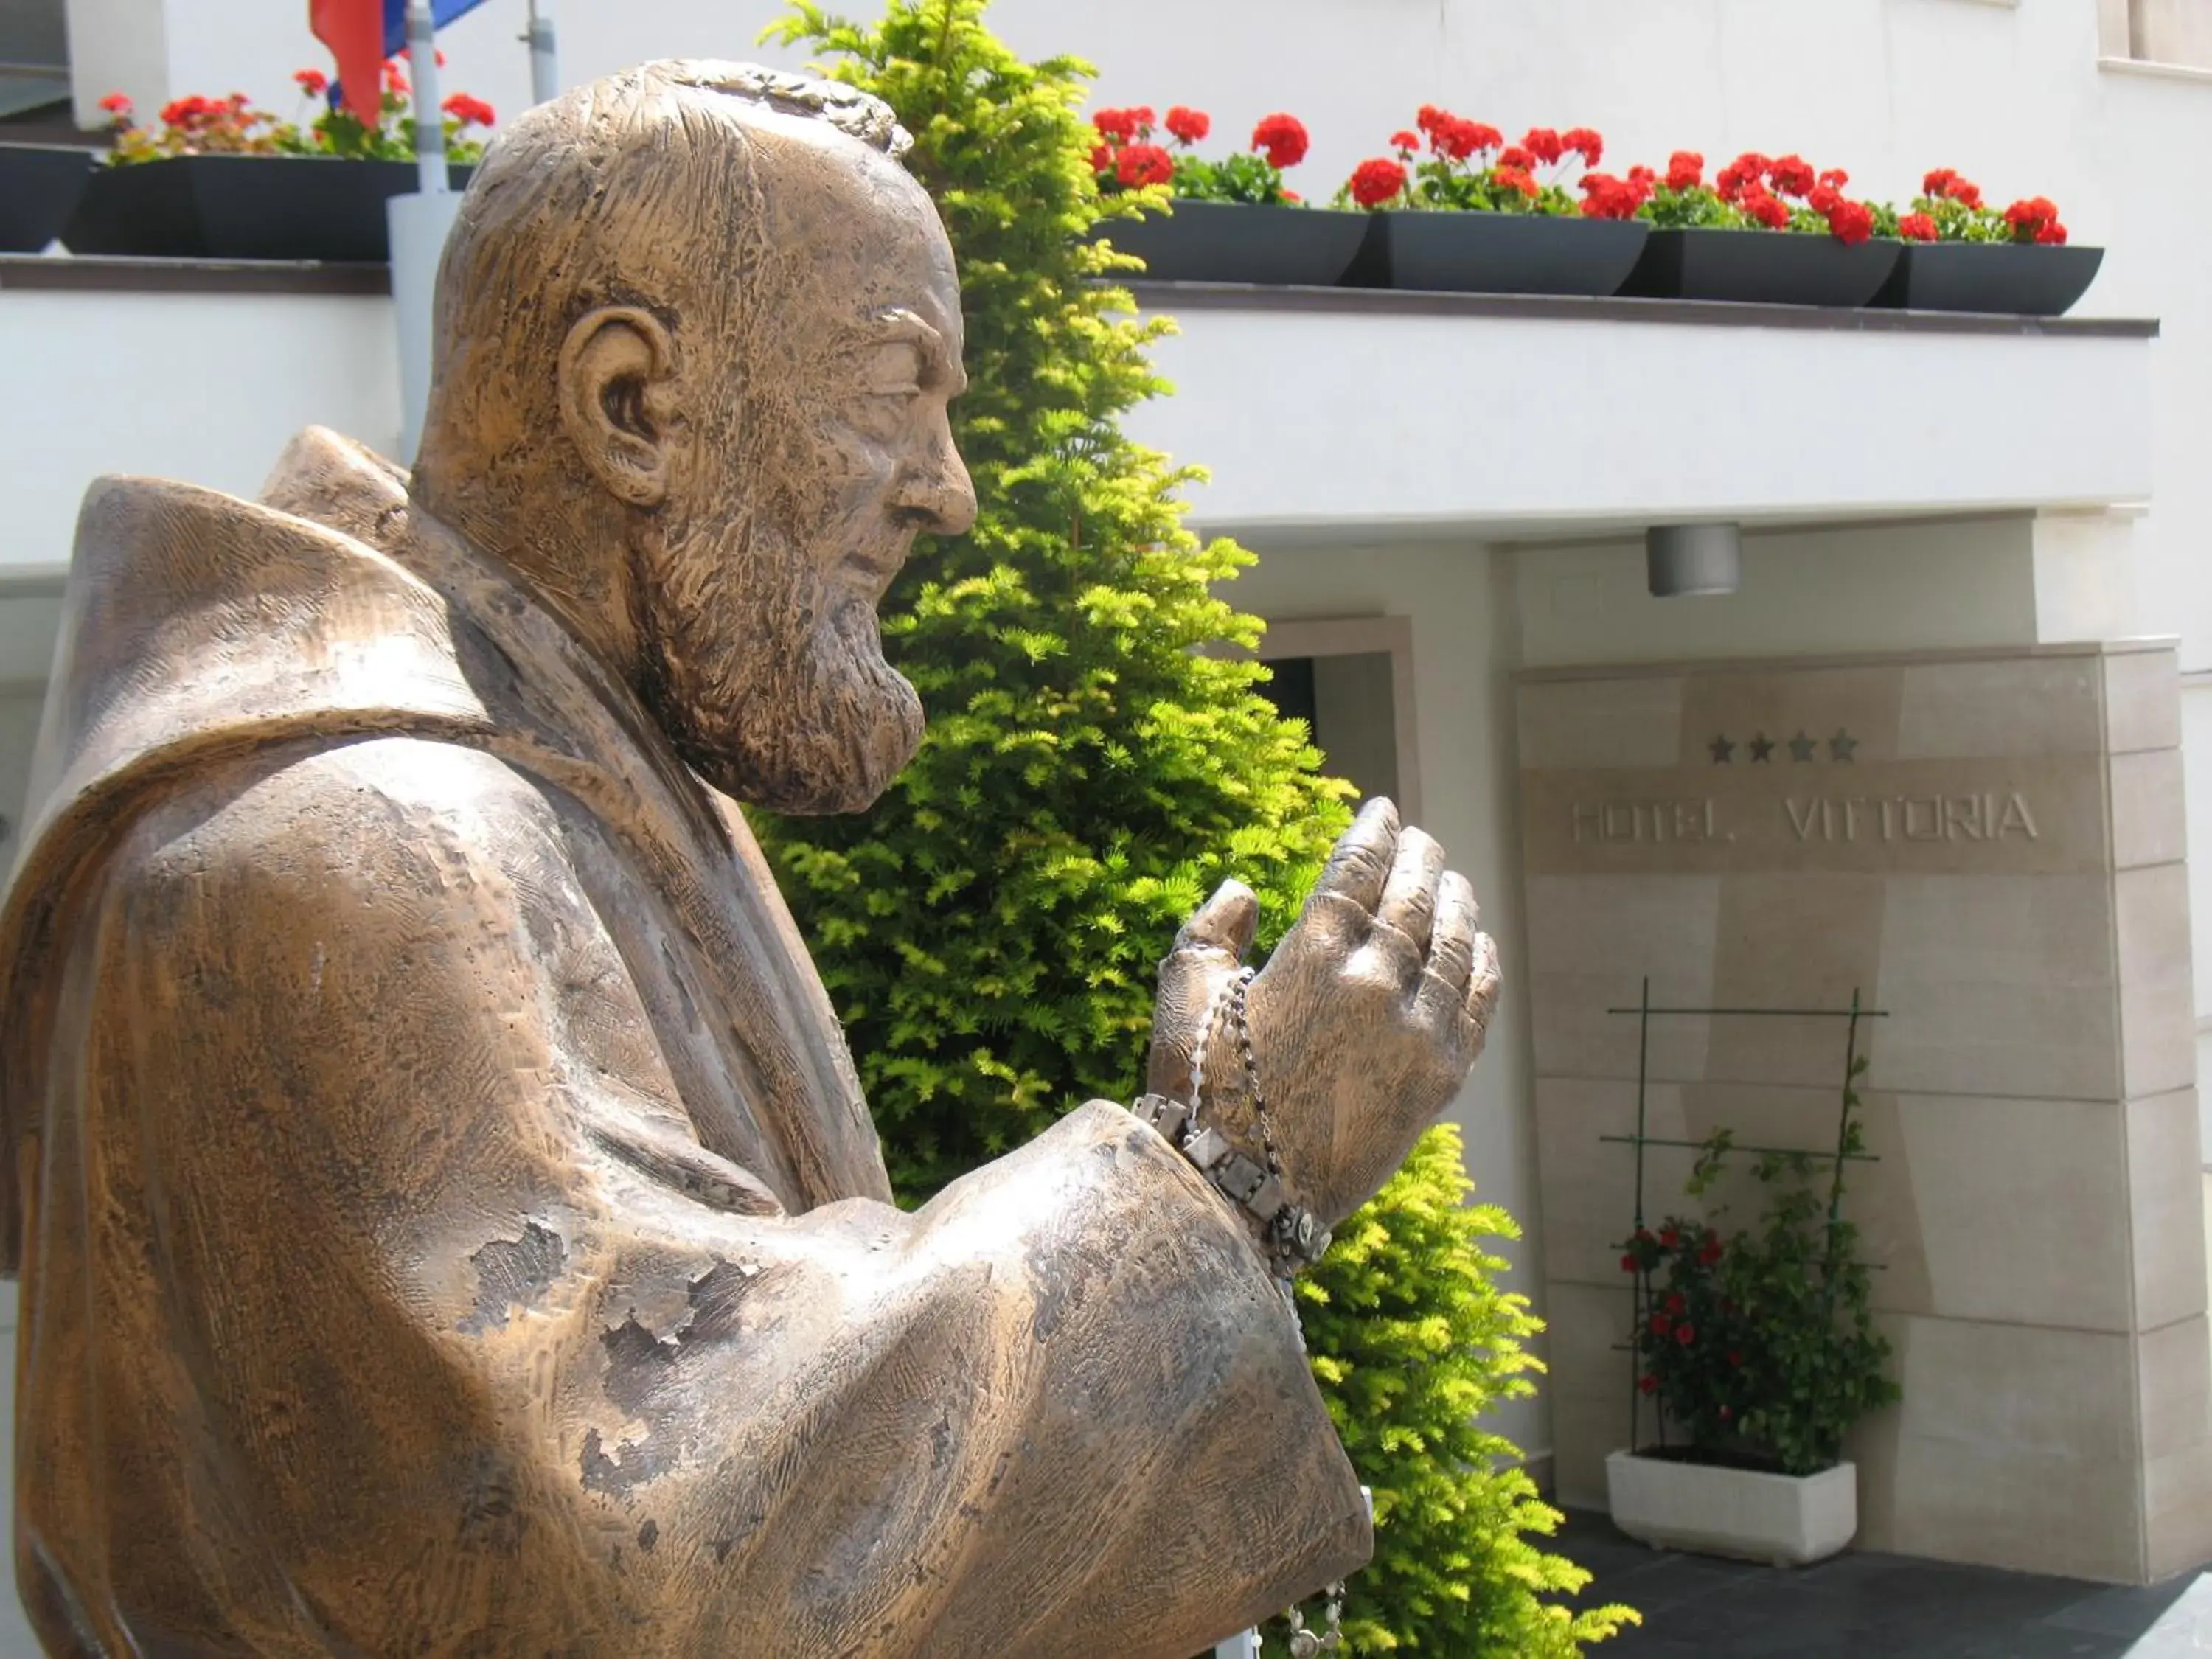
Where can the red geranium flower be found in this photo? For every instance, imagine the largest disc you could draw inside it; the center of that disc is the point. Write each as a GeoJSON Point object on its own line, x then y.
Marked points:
{"type": "Point", "coordinates": [1585, 140]}
{"type": "Point", "coordinates": [1835, 178]}
{"type": "Point", "coordinates": [1514, 178]}
{"type": "Point", "coordinates": [1967, 195]}
{"type": "Point", "coordinates": [1792, 175]}
{"type": "Point", "coordinates": [1483, 138]}
{"type": "Point", "coordinates": [1605, 197]}
{"type": "Point", "coordinates": [1851, 222]}
{"type": "Point", "coordinates": [1640, 175]}
{"type": "Point", "coordinates": [1102, 158]}
{"type": "Point", "coordinates": [313, 81]}
{"type": "Point", "coordinates": [1916, 228]}
{"type": "Point", "coordinates": [1517, 155]}
{"type": "Point", "coordinates": [1117, 126]}
{"type": "Point", "coordinates": [2052, 234]}
{"type": "Point", "coordinates": [1546, 144]}
{"type": "Point", "coordinates": [1686, 1334]}
{"type": "Point", "coordinates": [2028, 217]}
{"type": "Point", "coordinates": [1730, 182]}
{"type": "Point", "coordinates": [468, 112]}
{"type": "Point", "coordinates": [1648, 1384]}
{"type": "Point", "coordinates": [1455, 138]}
{"type": "Point", "coordinates": [116, 103]}
{"type": "Point", "coordinates": [1138, 164]}
{"type": "Point", "coordinates": [1405, 143]}
{"type": "Point", "coordinates": [1429, 118]}
{"type": "Point", "coordinates": [1937, 181]}
{"type": "Point", "coordinates": [395, 80]}
{"type": "Point", "coordinates": [1685, 170]}
{"type": "Point", "coordinates": [1770, 211]}
{"type": "Point", "coordinates": [1189, 125]}
{"type": "Point", "coordinates": [1751, 165]}
{"type": "Point", "coordinates": [1376, 181]}
{"type": "Point", "coordinates": [1282, 139]}
{"type": "Point", "coordinates": [1145, 116]}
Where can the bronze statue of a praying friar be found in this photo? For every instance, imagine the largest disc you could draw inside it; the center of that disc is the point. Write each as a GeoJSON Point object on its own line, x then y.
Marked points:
{"type": "Point", "coordinates": [447, 1217]}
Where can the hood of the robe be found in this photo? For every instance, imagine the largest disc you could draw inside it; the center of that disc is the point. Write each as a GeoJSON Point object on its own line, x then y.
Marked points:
{"type": "Point", "coordinates": [199, 630]}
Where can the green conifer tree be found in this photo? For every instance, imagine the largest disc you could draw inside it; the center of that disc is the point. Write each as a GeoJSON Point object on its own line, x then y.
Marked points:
{"type": "Point", "coordinates": [1094, 767]}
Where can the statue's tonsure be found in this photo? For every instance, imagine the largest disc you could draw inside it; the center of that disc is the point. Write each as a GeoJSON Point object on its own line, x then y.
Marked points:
{"type": "Point", "coordinates": [447, 1217]}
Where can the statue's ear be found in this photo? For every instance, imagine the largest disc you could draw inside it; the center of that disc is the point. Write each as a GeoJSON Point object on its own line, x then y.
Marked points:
{"type": "Point", "coordinates": [617, 397]}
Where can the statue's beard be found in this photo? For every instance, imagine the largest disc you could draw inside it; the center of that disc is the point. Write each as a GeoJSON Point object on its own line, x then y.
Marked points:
{"type": "Point", "coordinates": [770, 674]}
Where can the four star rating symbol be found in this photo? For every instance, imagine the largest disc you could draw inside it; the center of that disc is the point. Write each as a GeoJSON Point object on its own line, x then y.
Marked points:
{"type": "Point", "coordinates": [1843, 747]}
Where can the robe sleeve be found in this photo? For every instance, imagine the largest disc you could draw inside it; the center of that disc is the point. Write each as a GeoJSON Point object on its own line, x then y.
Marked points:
{"type": "Point", "coordinates": [471, 1381]}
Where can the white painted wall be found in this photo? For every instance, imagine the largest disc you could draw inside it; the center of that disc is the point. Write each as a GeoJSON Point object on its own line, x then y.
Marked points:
{"type": "Point", "coordinates": [203, 386]}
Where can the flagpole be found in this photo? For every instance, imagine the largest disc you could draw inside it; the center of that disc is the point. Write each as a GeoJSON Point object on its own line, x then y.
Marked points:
{"type": "Point", "coordinates": [419, 223]}
{"type": "Point", "coordinates": [544, 55]}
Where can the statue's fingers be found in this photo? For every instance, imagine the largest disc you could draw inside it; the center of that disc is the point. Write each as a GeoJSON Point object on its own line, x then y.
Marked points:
{"type": "Point", "coordinates": [1451, 941]}
{"type": "Point", "coordinates": [1483, 980]}
{"type": "Point", "coordinates": [1409, 893]}
{"type": "Point", "coordinates": [1360, 862]}
{"type": "Point", "coordinates": [1224, 923]}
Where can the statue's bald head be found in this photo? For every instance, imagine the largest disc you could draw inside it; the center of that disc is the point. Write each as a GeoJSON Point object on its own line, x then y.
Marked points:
{"type": "Point", "coordinates": [695, 331]}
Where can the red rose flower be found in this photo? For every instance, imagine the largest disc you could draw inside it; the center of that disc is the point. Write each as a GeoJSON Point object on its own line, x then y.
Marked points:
{"type": "Point", "coordinates": [1686, 1334]}
{"type": "Point", "coordinates": [1546, 145]}
{"type": "Point", "coordinates": [117, 103]}
{"type": "Point", "coordinates": [1138, 164]}
{"type": "Point", "coordinates": [1735, 1358]}
{"type": "Point", "coordinates": [2052, 234]}
{"type": "Point", "coordinates": [1629, 1264]}
{"type": "Point", "coordinates": [1517, 155]}
{"type": "Point", "coordinates": [1670, 1237]}
{"type": "Point", "coordinates": [1643, 1235]}
{"type": "Point", "coordinates": [1916, 228]}
{"type": "Point", "coordinates": [1189, 125]}
{"type": "Point", "coordinates": [1852, 223]}
{"type": "Point", "coordinates": [1583, 139]}
{"type": "Point", "coordinates": [1648, 1384]}
{"type": "Point", "coordinates": [1708, 1252]}
{"type": "Point", "coordinates": [1661, 1324]}
{"type": "Point", "coordinates": [1726, 1413]}
{"type": "Point", "coordinates": [1282, 139]}
{"type": "Point", "coordinates": [1405, 143]}
{"type": "Point", "coordinates": [313, 81]}
{"type": "Point", "coordinates": [1676, 1302]}
{"type": "Point", "coordinates": [1376, 181]}
{"type": "Point", "coordinates": [1792, 175]}
{"type": "Point", "coordinates": [1685, 170]}
{"type": "Point", "coordinates": [1514, 178]}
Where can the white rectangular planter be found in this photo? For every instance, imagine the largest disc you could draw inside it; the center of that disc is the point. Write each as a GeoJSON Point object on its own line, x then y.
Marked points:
{"type": "Point", "coordinates": [1789, 1519]}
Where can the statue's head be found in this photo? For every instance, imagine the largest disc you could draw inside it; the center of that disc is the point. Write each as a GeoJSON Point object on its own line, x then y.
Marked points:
{"type": "Point", "coordinates": [697, 329]}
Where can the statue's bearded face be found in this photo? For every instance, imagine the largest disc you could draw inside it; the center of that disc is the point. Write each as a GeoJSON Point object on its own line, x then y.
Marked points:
{"type": "Point", "coordinates": [765, 658]}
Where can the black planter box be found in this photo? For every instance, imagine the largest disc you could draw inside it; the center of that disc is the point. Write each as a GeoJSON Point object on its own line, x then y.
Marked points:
{"type": "Point", "coordinates": [1239, 242]}
{"type": "Point", "coordinates": [242, 207]}
{"type": "Point", "coordinates": [39, 184]}
{"type": "Point", "coordinates": [2019, 279]}
{"type": "Point", "coordinates": [1761, 267]}
{"type": "Point", "coordinates": [1498, 253]}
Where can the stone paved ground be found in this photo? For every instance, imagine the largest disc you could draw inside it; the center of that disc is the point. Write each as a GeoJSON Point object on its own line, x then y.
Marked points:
{"type": "Point", "coordinates": [1877, 1606]}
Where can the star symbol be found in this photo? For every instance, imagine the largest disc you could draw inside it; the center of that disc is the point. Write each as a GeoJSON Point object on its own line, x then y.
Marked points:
{"type": "Point", "coordinates": [1762, 747]}
{"type": "Point", "coordinates": [1723, 751]}
{"type": "Point", "coordinates": [1801, 747]}
{"type": "Point", "coordinates": [1840, 745]}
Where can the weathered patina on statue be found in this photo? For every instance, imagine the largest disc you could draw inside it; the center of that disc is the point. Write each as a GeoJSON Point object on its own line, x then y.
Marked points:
{"type": "Point", "coordinates": [448, 1217]}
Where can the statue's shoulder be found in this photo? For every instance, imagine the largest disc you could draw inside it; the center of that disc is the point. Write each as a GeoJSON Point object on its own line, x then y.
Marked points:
{"type": "Point", "coordinates": [324, 826]}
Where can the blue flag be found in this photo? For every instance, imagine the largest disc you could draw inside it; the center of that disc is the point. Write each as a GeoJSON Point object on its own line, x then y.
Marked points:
{"type": "Point", "coordinates": [442, 12]}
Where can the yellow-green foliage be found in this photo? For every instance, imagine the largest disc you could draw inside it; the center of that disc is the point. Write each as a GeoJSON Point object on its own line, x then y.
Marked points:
{"type": "Point", "coordinates": [990, 931]}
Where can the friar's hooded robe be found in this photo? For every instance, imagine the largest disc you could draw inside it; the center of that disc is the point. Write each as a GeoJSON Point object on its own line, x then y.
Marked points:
{"type": "Point", "coordinates": [448, 1217]}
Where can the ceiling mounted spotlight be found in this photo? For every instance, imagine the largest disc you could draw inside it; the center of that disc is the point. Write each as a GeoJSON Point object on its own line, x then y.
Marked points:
{"type": "Point", "coordinates": [1682, 561]}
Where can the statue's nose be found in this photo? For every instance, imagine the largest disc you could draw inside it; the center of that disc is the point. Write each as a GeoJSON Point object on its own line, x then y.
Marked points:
{"type": "Point", "coordinates": [938, 492]}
